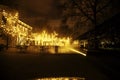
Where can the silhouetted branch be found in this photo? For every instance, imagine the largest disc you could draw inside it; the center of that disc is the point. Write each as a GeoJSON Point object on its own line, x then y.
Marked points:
{"type": "Point", "coordinates": [106, 5]}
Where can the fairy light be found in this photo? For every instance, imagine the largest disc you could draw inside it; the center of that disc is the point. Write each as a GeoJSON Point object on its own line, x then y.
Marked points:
{"type": "Point", "coordinates": [20, 31]}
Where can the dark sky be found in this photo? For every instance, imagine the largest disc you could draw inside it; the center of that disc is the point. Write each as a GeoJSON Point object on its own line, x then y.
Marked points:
{"type": "Point", "coordinates": [35, 12]}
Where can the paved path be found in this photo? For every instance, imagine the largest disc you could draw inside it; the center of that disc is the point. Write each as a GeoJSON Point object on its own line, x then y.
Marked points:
{"type": "Point", "coordinates": [30, 66]}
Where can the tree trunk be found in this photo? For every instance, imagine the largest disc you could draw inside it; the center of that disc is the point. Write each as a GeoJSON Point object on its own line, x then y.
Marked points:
{"type": "Point", "coordinates": [95, 39]}
{"type": "Point", "coordinates": [7, 42]}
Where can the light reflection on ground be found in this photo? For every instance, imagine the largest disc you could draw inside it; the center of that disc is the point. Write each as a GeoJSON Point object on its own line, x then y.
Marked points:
{"type": "Point", "coordinates": [62, 78]}
{"type": "Point", "coordinates": [49, 49]}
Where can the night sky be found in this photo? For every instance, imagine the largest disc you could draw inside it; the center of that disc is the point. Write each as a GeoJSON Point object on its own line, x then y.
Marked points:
{"type": "Point", "coordinates": [35, 12]}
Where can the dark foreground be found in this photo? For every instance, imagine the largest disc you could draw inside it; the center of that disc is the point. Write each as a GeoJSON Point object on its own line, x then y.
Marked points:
{"type": "Point", "coordinates": [20, 66]}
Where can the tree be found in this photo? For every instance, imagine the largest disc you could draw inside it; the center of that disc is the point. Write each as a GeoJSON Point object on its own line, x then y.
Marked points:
{"type": "Point", "coordinates": [64, 30]}
{"type": "Point", "coordinates": [94, 11]}
{"type": "Point", "coordinates": [3, 34]}
{"type": "Point", "coordinates": [5, 37]}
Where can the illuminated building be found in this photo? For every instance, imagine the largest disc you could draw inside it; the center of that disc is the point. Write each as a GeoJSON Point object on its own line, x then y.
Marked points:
{"type": "Point", "coordinates": [20, 31]}
{"type": "Point", "coordinates": [14, 27]}
{"type": "Point", "coordinates": [22, 36]}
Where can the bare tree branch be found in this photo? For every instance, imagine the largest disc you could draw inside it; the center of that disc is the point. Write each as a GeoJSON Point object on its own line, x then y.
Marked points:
{"type": "Point", "coordinates": [84, 13]}
{"type": "Point", "coordinates": [106, 5]}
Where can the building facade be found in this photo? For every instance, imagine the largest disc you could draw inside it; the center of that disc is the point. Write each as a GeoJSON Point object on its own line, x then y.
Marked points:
{"type": "Point", "coordinates": [14, 28]}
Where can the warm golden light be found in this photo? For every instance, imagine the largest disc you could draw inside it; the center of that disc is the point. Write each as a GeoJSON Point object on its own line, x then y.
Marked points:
{"type": "Point", "coordinates": [23, 36]}
{"type": "Point", "coordinates": [62, 78]}
{"type": "Point", "coordinates": [72, 49]}
{"type": "Point", "coordinates": [14, 27]}
{"type": "Point", "coordinates": [50, 39]}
